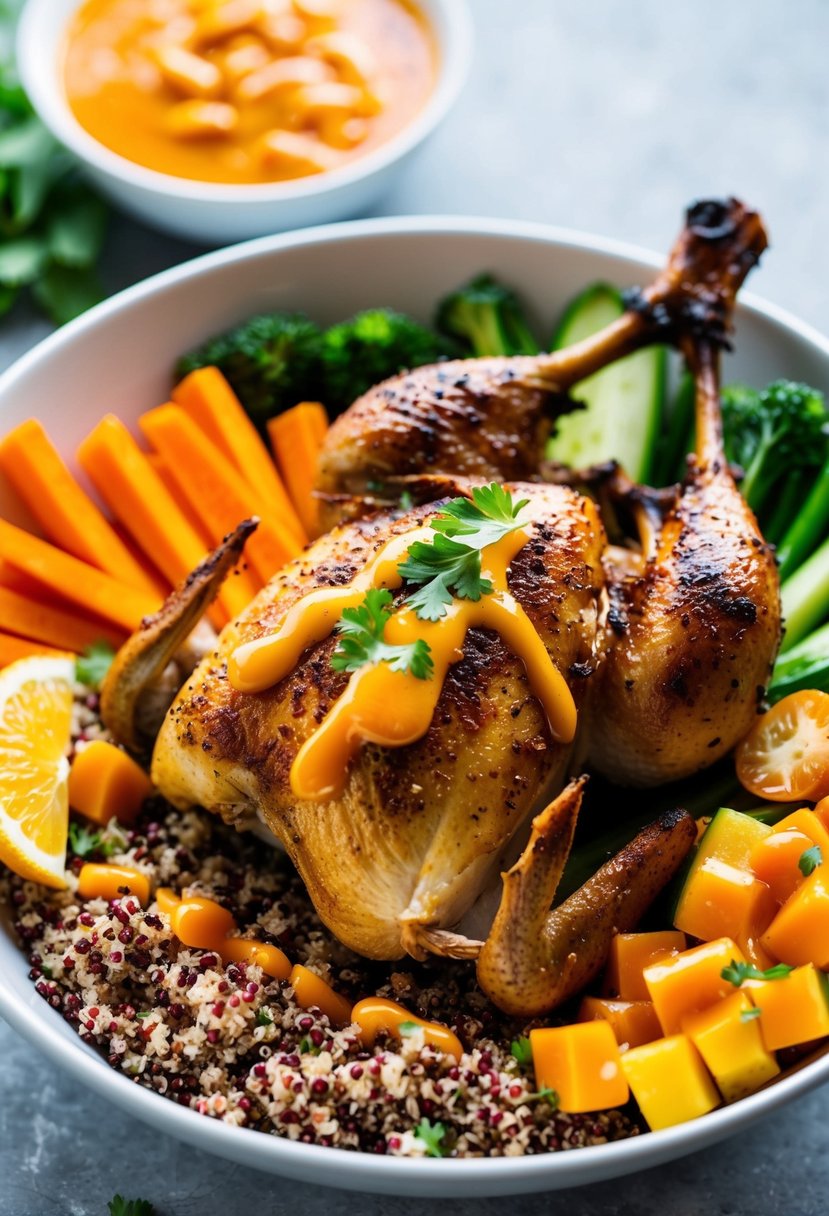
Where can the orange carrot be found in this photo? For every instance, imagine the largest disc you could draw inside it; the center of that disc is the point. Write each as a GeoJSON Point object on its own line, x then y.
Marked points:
{"type": "Point", "coordinates": [12, 648]}
{"type": "Point", "coordinates": [68, 516]}
{"type": "Point", "coordinates": [296, 438]}
{"type": "Point", "coordinates": [213, 487]}
{"type": "Point", "coordinates": [55, 626]}
{"type": "Point", "coordinates": [210, 401]}
{"type": "Point", "coordinates": [126, 480]}
{"type": "Point", "coordinates": [91, 589]}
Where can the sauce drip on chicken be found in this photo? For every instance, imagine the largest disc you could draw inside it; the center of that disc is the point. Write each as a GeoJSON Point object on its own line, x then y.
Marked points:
{"type": "Point", "coordinates": [383, 705]}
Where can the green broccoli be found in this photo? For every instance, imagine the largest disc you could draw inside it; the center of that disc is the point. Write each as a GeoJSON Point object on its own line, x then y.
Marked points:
{"type": "Point", "coordinates": [370, 347]}
{"type": "Point", "coordinates": [271, 362]}
{"type": "Point", "coordinates": [487, 318]}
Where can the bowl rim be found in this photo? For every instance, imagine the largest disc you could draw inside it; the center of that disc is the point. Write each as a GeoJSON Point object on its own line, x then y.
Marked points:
{"type": "Point", "coordinates": [338, 1167]}
{"type": "Point", "coordinates": [452, 26]}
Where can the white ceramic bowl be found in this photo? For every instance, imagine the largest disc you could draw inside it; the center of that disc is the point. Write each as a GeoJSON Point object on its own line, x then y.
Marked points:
{"type": "Point", "coordinates": [118, 357]}
{"type": "Point", "coordinates": [221, 214]}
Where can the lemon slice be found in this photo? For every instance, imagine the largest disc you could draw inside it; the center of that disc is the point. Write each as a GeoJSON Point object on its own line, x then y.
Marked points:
{"type": "Point", "coordinates": [35, 729]}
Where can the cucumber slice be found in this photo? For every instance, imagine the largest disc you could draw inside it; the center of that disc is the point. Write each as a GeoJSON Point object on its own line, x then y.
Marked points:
{"type": "Point", "coordinates": [624, 401]}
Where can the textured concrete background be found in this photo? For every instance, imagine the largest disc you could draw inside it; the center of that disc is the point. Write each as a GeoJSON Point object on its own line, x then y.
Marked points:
{"type": "Point", "coordinates": [599, 115]}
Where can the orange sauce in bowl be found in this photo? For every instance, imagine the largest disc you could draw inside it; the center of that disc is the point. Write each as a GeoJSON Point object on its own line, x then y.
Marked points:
{"type": "Point", "coordinates": [247, 91]}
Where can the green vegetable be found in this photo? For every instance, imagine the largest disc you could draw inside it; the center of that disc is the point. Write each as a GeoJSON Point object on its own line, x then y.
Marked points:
{"type": "Point", "coordinates": [407, 1027]}
{"type": "Point", "coordinates": [361, 640]}
{"type": "Point", "coordinates": [487, 318]}
{"type": "Point", "coordinates": [372, 346]}
{"type": "Point", "coordinates": [432, 1135]}
{"type": "Point", "coordinates": [748, 1015]}
{"type": "Point", "coordinates": [130, 1207]}
{"type": "Point", "coordinates": [94, 663]}
{"type": "Point", "coordinates": [624, 402]}
{"type": "Point", "coordinates": [450, 565]}
{"type": "Point", "coordinates": [805, 665]}
{"type": "Point", "coordinates": [810, 860]}
{"type": "Point", "coordinates": [271, 361]}
{"type": "Point", "coordinates": [737, 973]}
{"type": "Point", "coordinates": [672, 447]}
{"type": "Point", "coordinates": [545, 1094]}
{"type": "Point", "coordinates": [263, 1018]}
{"type": "Point", "coordinates": [83, 842]}
{"type": "Point", "coordinates": [805, 597]}
{"type": "Point", "coordinates": [522, 1051]}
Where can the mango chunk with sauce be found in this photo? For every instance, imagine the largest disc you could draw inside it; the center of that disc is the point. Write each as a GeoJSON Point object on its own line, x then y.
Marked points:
{"type": "Point", "coordinates": [582, 1063]}
{"type": "Point", "coordinates": [793, 1010]}
{"type": "Point", "coordinates": [630, 954]}
{"type": "Point", "coordinates": [799, 933]}
{"type": "Point", "coordinates": [691, 981]}
{"type": "Point", "coordinates": [632, 1022]}
{"type": "Point", "coordinates": [669, 1081]}
{"type": "Point", "coordinates": [720, 898]}
{"type": "Point", "coordinates": [729, 1039]}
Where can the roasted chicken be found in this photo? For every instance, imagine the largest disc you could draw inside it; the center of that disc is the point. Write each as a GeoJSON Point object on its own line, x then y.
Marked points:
{"type": "Point", "coordinates": [665, 648]}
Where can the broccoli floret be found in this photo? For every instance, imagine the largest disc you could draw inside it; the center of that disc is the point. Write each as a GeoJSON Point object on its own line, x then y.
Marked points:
{"type": "Point", "coordinates": [371, 347]}
{"type": "Point", "coordinates": [271, 362]}
{"type": "Point", "coordinates": [774, 435]}
{"type": "Point", "coordinates": [487, 318]}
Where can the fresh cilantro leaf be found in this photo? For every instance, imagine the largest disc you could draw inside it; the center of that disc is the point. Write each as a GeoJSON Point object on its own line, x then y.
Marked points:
{"type": "Point", "coordinates": [113, 840]}
{"type": "Point", "coordinates": [432, 1135]}
{"type": "Point", "coordinates": [21, 260]}
{"type": "Point", "coordinates": [142, 1016]}
{"type": "Point", "coordinates": [545, 1094]}
{"type": "Point", "coordinates": [118, 1206]}
{"type": "Point", "coordinates": [737, 973]}
{"type": "Point", "coordinates": [263, 1018]}
{"type": "Point", "coordinates": [64, 292]}
{"type": "Point", "coordinates": [94, 663]}
{"type": "Point", "coordinates": [26, 143]}
{"type": "Point", "coordinates": [748, 1015]}
{"type": "Point", "coordinates": [522, 1051]}
{"type": "Point", "coordinates": [75, 226]}
{"type": "Point", "coordinates": [361, 641]}
{"type": "Point", "coordinates": [82, 841]}
{"type": "Point", "coordinates": [490, 515]}
{"type": "Point", "coordinates": [407, 1027]}
{"type": "Point", "coordinates": [810, 860]}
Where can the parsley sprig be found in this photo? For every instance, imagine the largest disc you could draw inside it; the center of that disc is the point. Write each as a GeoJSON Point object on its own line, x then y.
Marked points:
{"type": "Point", "coordinates": [737, 973]}
{"type": "Point", "coordinates": [810, 860]}
{"type": "Point", "coordinates": [94, 663]}
{"type": "Point", "coordinates": [449, 566]}
{"type": "Point", "coordinates": [361, 641]}
{"type": "Point", "coordinates": [522, 1051]}
{"type": "Point", "coordinates": [432, 1135]}
{"type": "Point", "coordinates": [118, 1206]}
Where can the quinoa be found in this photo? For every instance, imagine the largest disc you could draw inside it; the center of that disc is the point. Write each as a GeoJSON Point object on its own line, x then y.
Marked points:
{"type": "Point", "coordinates": [233, 1044]}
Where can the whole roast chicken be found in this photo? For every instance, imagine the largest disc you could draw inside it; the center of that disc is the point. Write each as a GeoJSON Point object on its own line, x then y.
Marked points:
{"type": "Point", "coordinates": [662, 648]}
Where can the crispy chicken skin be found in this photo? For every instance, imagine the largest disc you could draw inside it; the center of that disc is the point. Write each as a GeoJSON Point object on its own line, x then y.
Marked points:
{"type": "Point", "coordinates": [401, 855]}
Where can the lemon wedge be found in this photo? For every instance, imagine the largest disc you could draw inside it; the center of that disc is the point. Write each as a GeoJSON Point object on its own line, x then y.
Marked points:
{"type": "Point", "coordinates": [35, 729]}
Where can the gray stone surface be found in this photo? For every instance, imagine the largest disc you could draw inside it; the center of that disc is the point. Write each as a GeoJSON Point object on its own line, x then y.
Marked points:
{"type": "Point", "coordinates": [597, 115]}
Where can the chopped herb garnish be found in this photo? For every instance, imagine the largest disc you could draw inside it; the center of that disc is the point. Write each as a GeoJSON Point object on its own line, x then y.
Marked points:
{"type": "Point", "coordinates": [810, 860]}
{"type": "Point", "coordinates": [263, 1018]}
{"type": "Point", "coordinates": [449, 566]}
{"type": "Point", "coordinates": [432, 1135]}
{"type": "Point", "coordinates": [737, 973]}
{"type": "Point", "coordinates": [130, 1207]}
{"type": "Point", "coordinates": [406, 502]}
{"type": "Point", "coordinates": [361, 640]}
{"type": "Point", "coordinates": [748, 1015]}
{"type": "Point", "coordinates": [83, 842]}
{"type": "Point", "coordinates": [94, 663]}
{"type": "Point", "coordinates": [545, 1094]}
{"type": "Point", "coordinates": [113, 840]}
{"type": "Point", "coordinates": [522, 1050]}
{"type": "Point", "coordinates": [307, 1048]}
{"type": "Point", "coordinates": [141, 1016]}
{"type": "Point", "coordinates": [407, 1027]}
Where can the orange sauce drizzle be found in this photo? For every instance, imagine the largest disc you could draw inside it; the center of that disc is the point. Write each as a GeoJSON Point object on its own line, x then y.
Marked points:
{"type": "Point", "coordinates": [388, 707]}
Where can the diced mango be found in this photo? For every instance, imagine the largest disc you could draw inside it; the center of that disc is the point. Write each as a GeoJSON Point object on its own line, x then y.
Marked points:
{"type": "Point", "coordinates": [106, 881]}
{"type": "Point", "coordinates": [691, 981]}
{"type": "Point", "coordinates": [776, 861]}
{"type": "Point", "coordinates": [728, 1038]}
{"type": "Point", "coordinates": [312, 992]}
{"type": "Point", "coordinates": [104, 781]}
{"type": "Point", "coordinates": [793, 1010]}
{"type": "Point", "coordinates": [630, 954]}
{"type": "Point", "coordinates": [270, 958]}
{"type": "Point", "coordinates": [799, 932]}
{"type": "Point", "coordinates": [822, 812]}
{"type": "Point", "coordinates": [719, 898]}
{"type": "Point", "coordinates": [632, 1022]}
{"type": "Point", "coordinates": [201, 922]}
{"type": "Point", "coordinates": [810, 824]}
{"type": "Point", "coordinates": [669, 1081]}
{"type": "Point", "coordinates": [582, 1064]}
{"type": "Point", "coordinates": [374, 1014]}
{"type": "Point", "coordinates": [731, 836]}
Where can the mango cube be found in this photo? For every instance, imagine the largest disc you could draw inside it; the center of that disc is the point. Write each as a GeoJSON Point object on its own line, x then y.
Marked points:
{"type": "Point", "coordinates": [810, 824]}
{"type": "Point", "coordinates": [582, 1064]}
{"type": "Point", "coordinates": [776, 861]}
{"type": "Point", "coordinates": [632, 1022]}
{"type": "Point", "coordinates": [793, 1010]}
{"type": "Point", "coordinates": [669, 1081]}
{"type": "Point", "coordinates": [728, 1038]}
{"type": "Point", "coordinates": [799, 933]}
{"type": "Point", "coordinates": [691, 981]}
{"type": "Point", "coordinates": [720, 898]}
{"type": "Point", "coordinates": [630, 954]}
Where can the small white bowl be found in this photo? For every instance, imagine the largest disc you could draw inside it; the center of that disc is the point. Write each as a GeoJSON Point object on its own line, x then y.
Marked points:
{"type": "Point", "coordinates": [213, 212]}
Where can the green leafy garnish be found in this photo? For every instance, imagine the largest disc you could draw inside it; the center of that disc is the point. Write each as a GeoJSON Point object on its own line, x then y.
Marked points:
{"type": "Point", "coordinates": [361, 640]}
{"type": "Point", "coordinates": [147, 1014]}
{"type": "Point", "coordinates": [82, 841]}
{"type": "Point", "coordinates": [263, 1018]}
{"type": "Point", "coordinates": [810, 860]}
{"type": "Point", "coordinates": [522, 1051]}
{"type": "Point", "coordinates": [545, 1094]}
{"type": "Point", "coordinates": [94, 663]}
{"type": "Point", "coordinates": [748, 1015]}
{"type": "Point", "coordinates": [737, 973]}
{"type": "Point", "coordinates": [407, 1027]}
{"type": "Point", "coordinates": [449, 566]}
{"type": "Point", "coordinates": [432, 1135]}
{"type": "Point", "coordinates": [130, 1207]}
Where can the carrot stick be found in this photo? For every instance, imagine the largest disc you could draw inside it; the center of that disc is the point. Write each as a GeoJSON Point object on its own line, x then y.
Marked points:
{"type": "Point", "coordinates": [213, 487]}
{"type": "Point", "coordinates": [55, 626]}
{"type": "Point", "coordinates": [210, 401]}
{"type": "Point", "coordinates": [125, 479]}
{"type": "Point", "coordinates": [12, 648]}
{"type": "Point", "coordinates": [296, 438]}
{"type": "Point", "coordinates": [81, 584]}
{"type": "Point", "coordinates": [68, 516]}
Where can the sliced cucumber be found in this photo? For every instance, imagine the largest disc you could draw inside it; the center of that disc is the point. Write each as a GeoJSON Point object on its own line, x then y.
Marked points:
{"type": "Point", "coordinates": [624, 401]}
